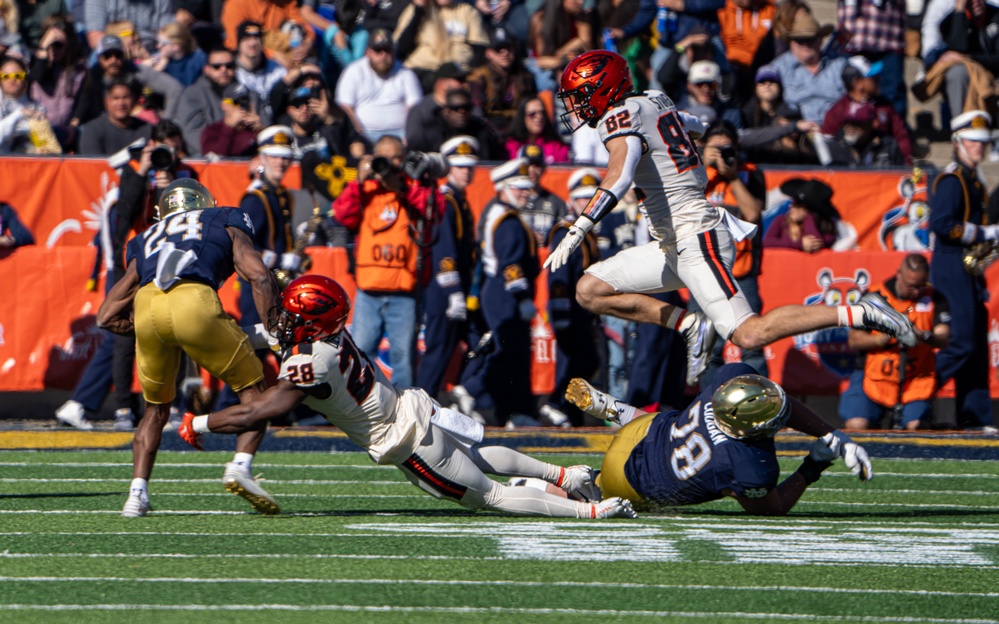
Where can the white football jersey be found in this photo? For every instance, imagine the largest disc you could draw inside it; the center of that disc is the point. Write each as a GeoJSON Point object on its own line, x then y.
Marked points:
{"type": "Point", "coordinates": [670, 176]}
{"type": "Point", "coordinates": [354, 395]}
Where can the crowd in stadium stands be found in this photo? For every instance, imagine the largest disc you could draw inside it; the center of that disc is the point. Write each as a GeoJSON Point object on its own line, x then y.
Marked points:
{"type": "Point", "coordinates": [775, 86]}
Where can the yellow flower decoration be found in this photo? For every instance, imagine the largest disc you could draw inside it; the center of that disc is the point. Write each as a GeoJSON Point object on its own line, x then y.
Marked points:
{"type": "Point", "coordinates": [337, 174]}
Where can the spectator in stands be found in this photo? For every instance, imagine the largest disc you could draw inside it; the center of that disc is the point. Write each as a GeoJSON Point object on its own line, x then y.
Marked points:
{"type": "Point", "coordinates": [16, 108]}
{"type": "Point", "coordinates": [113, 64]}
{"type": "Point", "coordinates": [147, 16]}
{"type": "Point", "coordinates": [510, 16]}
{"type": "Point", "coordinates": [254, 70]}
{"type": "Point", "coordinates": [381, 15]}
{"type": "Point", "coordinates": [810, 223]}
{"type": "Point", "coordinates": [271, 17]}
{"type": "Point", "coordinates": [625, 29]}
{"type": "Point", "coordinates": [559, 32]}
{"type": "Point", "coordinates": [56, 75]}
{"type": "Point", "coordinates": [308, 74]}
{"type": "Point", "coordinates": [377, 92]}
{"type": "Point", "coordinates": [877, 32]}
{"type": "Point", "coordinates": [385, 207]}
{"type": "Point", "coordinates": [190, 12]}
{"type": "Point", "coordinates": [500, 86]}
{"type": "Point", "coordinates": [201, 103]}
{"type": "Point", "coordinates": [861, 142]}
{"type": "Point", "coordinates": [960, 40]}
{"type": "Point", "coordinates": [703, 82]}
{"type": "Point", "coordinates": [236, 133]}
{"type": "Point", "coordinates": [456, 119]}
{"type": "Point", "coordinates": [861, 80]}
{"type": "Point", "coordinates": [321, 126]}
{"type": "Point", "coordinates": [812, 82]}
{"type": "Point", "coordinates": [532, 126]}
{"type": "Point", "coordinates": [116, 128]}
{"type": "Point", "coordinates": [958, 219]}
{"type": "Point", "coordinates": [179, 55]}
{"type": "Point", "coordinates": [31, 17]}
{"type": "Point", "coordinates": [424, 122]}
{"type": "Point", "coordinates": [433, 32]}
{"type": "Point", "coordinates": [671, 75]}
{"type": "Point", "coordinates": [767, 110]}
{"type": "Point", "coordinates": [741, 189]}
{"type": "Point", "coordinates": [744, 23]}
{"type": "Point", "coordinates": [775, 42]}
{"type": "Point", "coordinates": [688, 17]}
{"type": "Point", "coordinates": [344, 38]}
{"type": "Point", "coordinates": [543, 208]}
{"type": "Point", "coordinates": [890, 376]}
{"type": "Point", "coordinates": [13, 233]}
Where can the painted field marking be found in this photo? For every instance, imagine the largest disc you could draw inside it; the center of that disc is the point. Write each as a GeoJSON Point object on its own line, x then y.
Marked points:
{"type": "Point", "coordinates": [493, 610]}
{"type": "Point", "coordinates": [189, 465]}
{"type": "Point", "coordinates": [493, 583]}
{"type": "Point", "coordinates": [402, 481]}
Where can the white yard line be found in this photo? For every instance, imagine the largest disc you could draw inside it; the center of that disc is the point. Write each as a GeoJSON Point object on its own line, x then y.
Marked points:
{"type": "Point", "coordinates": [220, 464]}
{"type": "Point", "coordinates": [588, 613]}
{"type": "Point", "coordinates": [285, 481]}
{"type": "Point", "coordinates": [432, 582]}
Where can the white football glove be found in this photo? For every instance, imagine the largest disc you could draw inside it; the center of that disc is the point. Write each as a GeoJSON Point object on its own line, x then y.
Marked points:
{"type": "Point", "coordinates": [569, 244]}
{"type": "Point", "coordinates": [825, 449]}
{"type": "Point", "coordinates": [291, 261]}
{"type": "Point", "coordinates": [990, 232]}
{"type": "Point", "coordinates": [527, 310]}
{"type": "Point", "coordinates": [854, 456]}
{"type": "Point", "coordinates": [457, 309]}
{"type": "Point", "coordinates": [260, 338]}
{"type": "Point", "coordinates": [269, 258]}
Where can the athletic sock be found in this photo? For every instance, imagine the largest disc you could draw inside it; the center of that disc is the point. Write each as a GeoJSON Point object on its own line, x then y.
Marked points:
{"type": "Point", "coordinates": [850, 316]}
{"type": "Point", "coordinates": [140, 484]}
{"type": "Point", "coordinates": [675, 318]}
{"type": "Point", "coordinates": [244, 458]}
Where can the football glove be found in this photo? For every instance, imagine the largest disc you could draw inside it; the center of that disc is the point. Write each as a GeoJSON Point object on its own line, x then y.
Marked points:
{"type": "Point", "coordinates": [291, 261]}
{"type": "Point", "coordinates": [854, 456]}
{"type": "Point", "coordinates": [569, 244]}
{"type": "Point", "coordinates": [825, 449]}
{"type": "Point", "coordinates": [260, 338]}
{"type": "Point", "coordinates": [187, 433]}
{"type": "Point", "coordinates": [457, 309]}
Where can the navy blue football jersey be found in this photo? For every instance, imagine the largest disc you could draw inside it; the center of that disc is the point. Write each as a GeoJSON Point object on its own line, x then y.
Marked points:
{"type": "Point", "coordinates": [192, 245]}
{"type": "Point", "coordinates": [685, 458]}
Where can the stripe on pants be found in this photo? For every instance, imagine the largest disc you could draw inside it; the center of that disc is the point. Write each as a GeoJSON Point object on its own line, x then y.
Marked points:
{"type": "Point", "coordinates": [439, 483]}
{"type": "Point", "coordinates": [709, 250]}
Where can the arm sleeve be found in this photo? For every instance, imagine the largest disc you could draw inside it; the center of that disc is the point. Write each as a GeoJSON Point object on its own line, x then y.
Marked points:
{"type": "Point", "coordinates": [510, 242]}
{"type": "Point", "coordinates": [254, 209]}
{"type": "Point", "coordinates": [347, 206]}
{"type": "Point", "coordinates": [755, 137]}
{"type": "Point", "coordinates": [12, 223]}
{"type": "Point", "coordinates": [238, 219]}
{"type": "Point", "coordinates": [346, 88]}
{"type": "Point", "coordinates": [947, 211]}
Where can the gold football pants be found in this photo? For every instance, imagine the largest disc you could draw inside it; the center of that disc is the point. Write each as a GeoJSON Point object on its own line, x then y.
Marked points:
{"type": "Point", "coordinates": [612, 480]}
{"type": "Point", "coordinates": [188, 317]}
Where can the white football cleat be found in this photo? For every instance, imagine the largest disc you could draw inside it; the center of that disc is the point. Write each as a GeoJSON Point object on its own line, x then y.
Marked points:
{"type": "Point", "coordinates": [699, 333]}
{"type": "Point", "coordinates": [137, 505]}
{"type": "Point", "coordinates": [555, 416]}
{"type": "Point", "coordinates": [614, 508]}
{"type": "Point", "coordinates": [578, 483]}
{"type": "Point", "coordinates": [72, 413]}
{"type": "Point", "coordinates": [466, 402]}
{"type": "Point", "coordinates": [124, 420]}
{"type": "Point", "coordinates": [880, 316]}
{"type": "Point", "coordinates": [237, 479]}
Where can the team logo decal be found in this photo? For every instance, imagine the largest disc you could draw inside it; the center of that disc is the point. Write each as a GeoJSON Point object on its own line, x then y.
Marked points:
{"type": "Point", "coordinates": [828, 347]}
{"type": "Point", "coordinates": [906, 227]}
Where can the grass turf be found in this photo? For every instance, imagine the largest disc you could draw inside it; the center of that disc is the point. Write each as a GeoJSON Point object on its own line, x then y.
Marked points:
{"type": "Point", "coordinates": [357, 543]}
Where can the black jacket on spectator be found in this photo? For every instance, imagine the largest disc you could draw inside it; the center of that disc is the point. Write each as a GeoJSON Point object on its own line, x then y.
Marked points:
{"type": "Point", "coordinates": [961, 34]}
{"type": "Point", "coordinates": [200, 105]}
{"type": "Point", "coordinates": [426, 131]}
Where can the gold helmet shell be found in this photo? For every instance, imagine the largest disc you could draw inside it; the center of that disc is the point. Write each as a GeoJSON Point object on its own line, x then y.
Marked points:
{"type": "Point", "coordinates": [182, 195]}
{"type": "Point", "coordinates": [750, 407]}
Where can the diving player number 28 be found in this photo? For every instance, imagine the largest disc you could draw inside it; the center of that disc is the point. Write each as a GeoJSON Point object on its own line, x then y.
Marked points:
{"type": "Point", "coordinates": [693, 453]}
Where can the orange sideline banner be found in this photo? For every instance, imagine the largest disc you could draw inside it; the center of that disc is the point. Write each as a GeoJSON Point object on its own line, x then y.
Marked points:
{"type": "Point", "coordinates": [47, 331]}
{"type": "Point", "coordinates": [62, 200]}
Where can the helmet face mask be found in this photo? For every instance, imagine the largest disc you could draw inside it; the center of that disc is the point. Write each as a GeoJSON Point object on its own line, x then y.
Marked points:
{"type": "Point", "coordinates": [591, 84]}
{"type": "Point", "coordinates": [312, 308]}
{"type": "Point", "coordinates": [182, 195]}
{"type": "Point", "coordinates": [750, 407]}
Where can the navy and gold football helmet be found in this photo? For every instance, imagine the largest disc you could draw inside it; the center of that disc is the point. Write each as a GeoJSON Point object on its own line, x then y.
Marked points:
{"type": "Point", "coordinates": [181, 195]}
{"type": "Point", "coordinates": [750, 407]}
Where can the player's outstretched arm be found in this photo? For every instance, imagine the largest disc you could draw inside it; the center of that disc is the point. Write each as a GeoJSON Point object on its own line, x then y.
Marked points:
{"type": "Point", "coordinates": [277, 400]}
{"type": "Point", "coordinates": [805, 420]}
{"type": "Point", "coordinates": [780, 500]}
{"type": "Point", "coordinates": [249, 266]}
{"type": "Point", "coordinates": [115, 313]}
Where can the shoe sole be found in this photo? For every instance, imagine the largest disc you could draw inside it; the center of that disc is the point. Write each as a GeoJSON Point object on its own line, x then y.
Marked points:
{"type": "Point", "coordinates": [899, 319]}
{"type": "Point", "coordinates": [261, 503]}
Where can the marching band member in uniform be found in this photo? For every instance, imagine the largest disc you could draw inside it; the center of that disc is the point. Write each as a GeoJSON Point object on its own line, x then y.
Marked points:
{"type": "Point", "coordinates": [453, 261]}
{"type": "Point", "coordinates": [958, 218]}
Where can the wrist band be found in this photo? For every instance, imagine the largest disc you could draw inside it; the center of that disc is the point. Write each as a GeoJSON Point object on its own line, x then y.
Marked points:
{"type": "Point", "coordinates": [602, 202]}
{"type": "Point", "coordinates": [810, 470]}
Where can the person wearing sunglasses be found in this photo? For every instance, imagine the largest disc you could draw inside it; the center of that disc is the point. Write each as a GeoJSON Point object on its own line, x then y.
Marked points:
{"type": "Point", "coordinates": [532, 126]}
{"type": "Point", "coordinates": [16, 108]}
{"type": "Point", "coordinates": [459, 118]}
{"type": "Point", "coordinates": [201, 103]}
{"type": "Point", "coordinates": [56, 75]}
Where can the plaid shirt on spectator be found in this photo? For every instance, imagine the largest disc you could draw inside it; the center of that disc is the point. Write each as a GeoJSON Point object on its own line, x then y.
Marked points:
{"type": "Point", "coordinates": [874, 25]}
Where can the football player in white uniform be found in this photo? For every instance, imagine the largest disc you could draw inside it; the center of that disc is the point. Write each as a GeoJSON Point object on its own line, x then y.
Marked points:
{"type": "Point", "coordinates": [436, 448]}
{"type": "Point", "coordinates": [650, 145]}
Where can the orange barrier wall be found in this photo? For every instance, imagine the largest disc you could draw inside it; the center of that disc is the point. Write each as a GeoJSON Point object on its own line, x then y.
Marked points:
{"type": "Point", "coordinates": [47, 331]}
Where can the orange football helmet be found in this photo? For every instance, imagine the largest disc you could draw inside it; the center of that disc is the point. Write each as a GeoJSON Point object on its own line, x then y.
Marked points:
{"type": "Point", "coordinates": [591, 84]}
{"type": "Point", "coordinates": [313, 307]}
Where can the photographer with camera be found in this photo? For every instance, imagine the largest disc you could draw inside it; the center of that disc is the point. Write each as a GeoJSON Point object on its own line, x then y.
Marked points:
{"type": "Point", "coordinates": [740, 188]}
{"type": "Point", "coordinates": [393, 207]}
{"type": "Point", "coordinates": [321, 126]}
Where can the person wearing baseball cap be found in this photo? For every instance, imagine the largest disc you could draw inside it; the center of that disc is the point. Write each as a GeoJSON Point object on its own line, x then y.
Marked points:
{"type": "Point", "coordinates": [959, 218]}
{"type": "Point", "coordinates": [453, 262]}
{"type": "Point", "coordinates": [253, 69]}
{"type": "Point", "coordinates": [703, 81]}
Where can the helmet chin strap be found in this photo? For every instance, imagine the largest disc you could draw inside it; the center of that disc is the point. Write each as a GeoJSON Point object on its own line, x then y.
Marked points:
{"type": "Point", "coordinates": [962, 151]}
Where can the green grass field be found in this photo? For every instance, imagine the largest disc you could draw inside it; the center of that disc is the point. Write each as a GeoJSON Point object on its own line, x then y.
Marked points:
{"type": "Point", "coordinates": [358, 544]}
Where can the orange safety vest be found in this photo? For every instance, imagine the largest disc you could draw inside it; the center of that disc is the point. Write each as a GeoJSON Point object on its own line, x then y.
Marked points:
{"type": "Point", "coordinates": [719, 193]}
{"type": "Point", "coordinates": [881, 374]}
{"type": "Point", "coordinates": [385, 252]}
{"type": "Point", "coordinates": [743, 30]}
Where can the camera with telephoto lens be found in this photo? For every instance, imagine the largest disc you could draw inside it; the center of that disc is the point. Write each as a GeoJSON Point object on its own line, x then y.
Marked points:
{"type": "Point", "coordinates": [728, 155]}
{"type": "Point", "coordinates": [424, 166]}
{"type": "Point", "coordinates": [382, 166]}
{"type": "Point", "coordinates": [162, 158]}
